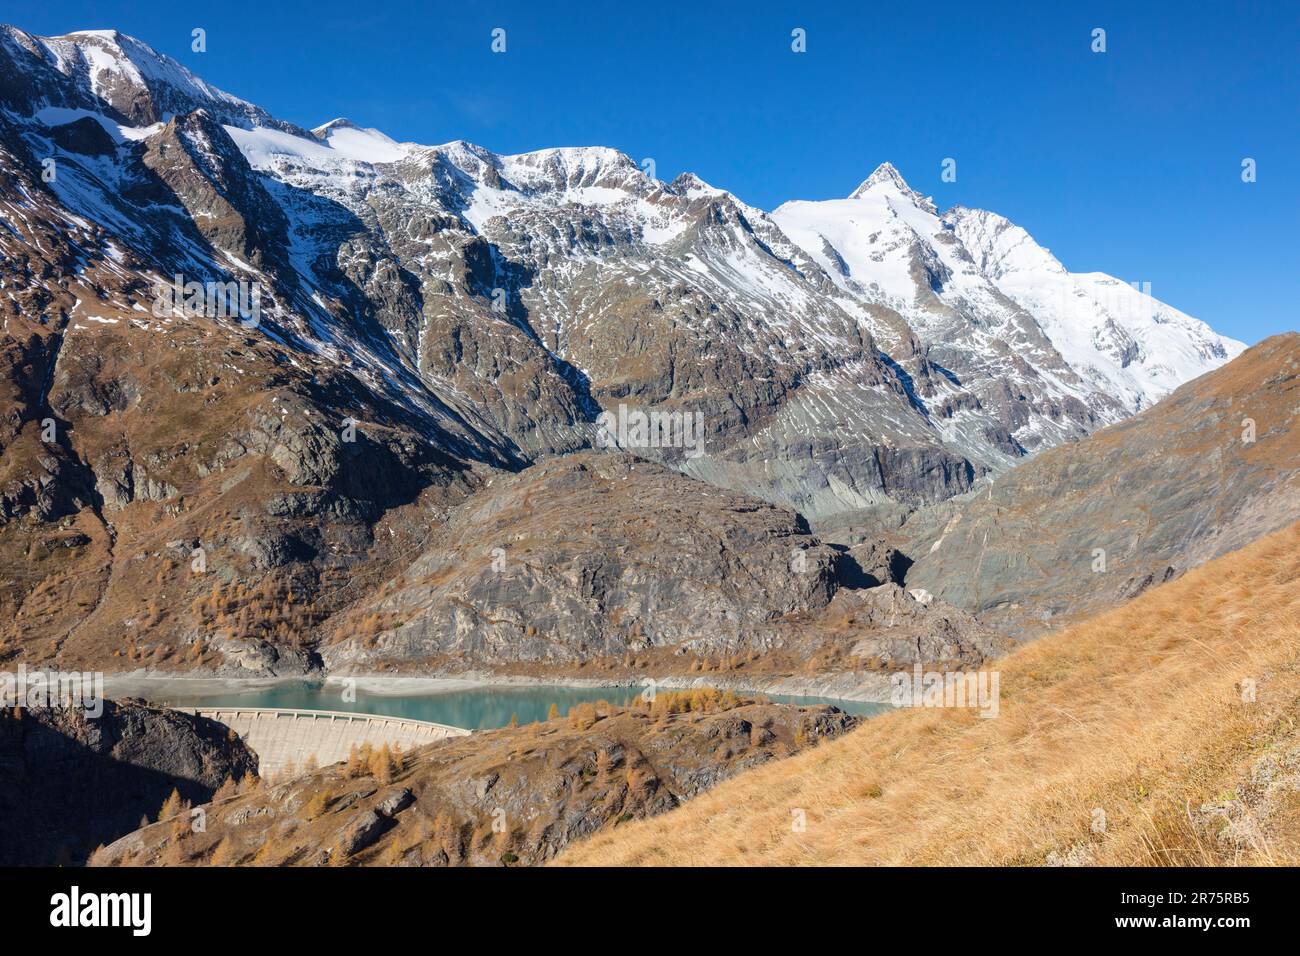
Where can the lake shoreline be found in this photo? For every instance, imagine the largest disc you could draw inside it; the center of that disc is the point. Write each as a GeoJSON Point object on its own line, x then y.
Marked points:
{"type": "Point", "coordinates": [469, 701]}
{"type": "Point", "coordinates": [830, 688]}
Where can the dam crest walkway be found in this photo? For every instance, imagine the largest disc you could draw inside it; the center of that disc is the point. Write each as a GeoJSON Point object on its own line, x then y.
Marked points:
{"type": "Point", "coordinates": [284, 736]}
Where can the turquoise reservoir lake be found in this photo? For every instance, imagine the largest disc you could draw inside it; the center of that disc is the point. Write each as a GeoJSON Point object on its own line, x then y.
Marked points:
{"type": "Point", "coordinates": [474, 708]}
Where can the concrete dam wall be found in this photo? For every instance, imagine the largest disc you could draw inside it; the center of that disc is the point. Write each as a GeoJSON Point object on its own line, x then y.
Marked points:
{"type": "Point", "coordinates": [283, 736]}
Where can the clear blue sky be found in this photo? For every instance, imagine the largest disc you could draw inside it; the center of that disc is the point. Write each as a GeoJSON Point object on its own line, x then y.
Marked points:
{"type": "Point", "coordinates": [1127, 162]}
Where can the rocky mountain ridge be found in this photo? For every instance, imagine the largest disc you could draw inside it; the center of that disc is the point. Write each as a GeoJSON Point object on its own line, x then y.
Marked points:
{"type": "Point", "coordinates": [822, 390]}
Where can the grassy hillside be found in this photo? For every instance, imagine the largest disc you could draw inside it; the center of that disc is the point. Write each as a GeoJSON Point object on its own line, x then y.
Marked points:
{"type": "Point", "coordinates": [1137, 714]}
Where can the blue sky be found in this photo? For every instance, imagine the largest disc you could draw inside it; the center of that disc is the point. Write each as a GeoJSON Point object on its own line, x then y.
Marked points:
{"type": "Point", "coordinates": [1127, 162]}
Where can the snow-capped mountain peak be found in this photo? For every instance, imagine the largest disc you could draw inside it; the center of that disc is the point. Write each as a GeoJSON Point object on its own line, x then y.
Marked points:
{"type": "Point", "coordinates": [137, 82]}
{"type": "Point", "coordinates": [874, 241]}
{"type": "Point", "coordinates": [1114, 333]}
{"type": "Point", "coordinates": [955, 277]}
{"type": "Point", "coordinates": [689, 184]}
{"type": "Point", "coordinates": [339, 122]}
{"type": "Point", "coordinates": [359, 143]}
{"type": "Point", "coordinates": [886, 173]}
{"type": "Point", "coordinates": [886, 177]}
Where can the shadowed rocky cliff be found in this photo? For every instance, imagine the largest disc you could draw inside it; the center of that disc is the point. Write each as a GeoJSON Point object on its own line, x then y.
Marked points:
{"type": "Point", "coordinates": [70, 782]}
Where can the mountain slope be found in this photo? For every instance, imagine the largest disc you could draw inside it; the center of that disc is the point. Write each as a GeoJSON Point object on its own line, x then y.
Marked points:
{"type": "Point", "coordinates": [1208, 470]}
{"type": "Point", "coordinates": [1161, 733]}
{"type": "Point", "coordinates": [564, 566]}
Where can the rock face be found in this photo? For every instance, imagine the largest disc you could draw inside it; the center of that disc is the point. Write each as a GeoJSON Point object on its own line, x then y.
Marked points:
{"type": "Point", "coordinates": [1210, 469]}
{"type": "Point", "coordinates": [896, 628]}
{"type": "Point", "coordinates": [591, 556]}
{"type": "Point", "coordinates": [603, 558]}
{"type": "Point", "coordinates": [872, 560]}
{"type": "Point", "coordinates": [543, 786]}
{"type": "Point", "coordinates": [196, 161]}
{"type": "Point", "coordinates": [70, 782]}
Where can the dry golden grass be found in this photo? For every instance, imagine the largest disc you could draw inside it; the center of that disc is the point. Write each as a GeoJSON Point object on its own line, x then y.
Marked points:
{"type": "Point", "coordinates": [1138, 713]}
